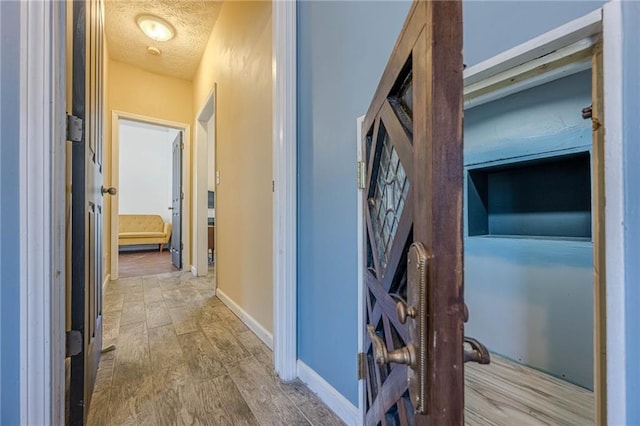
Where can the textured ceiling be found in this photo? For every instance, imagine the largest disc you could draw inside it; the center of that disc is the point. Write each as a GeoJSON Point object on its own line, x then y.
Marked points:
{"type": "Point", "coordinates": [192, 21]}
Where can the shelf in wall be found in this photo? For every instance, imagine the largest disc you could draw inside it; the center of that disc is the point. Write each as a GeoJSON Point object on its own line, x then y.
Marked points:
{"type": "Point", "coordinates": [546, 198]}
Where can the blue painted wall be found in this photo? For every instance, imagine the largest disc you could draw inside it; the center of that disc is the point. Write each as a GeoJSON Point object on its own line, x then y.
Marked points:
{"type": "Point", "coordinates": [9, 220]}
{"type": "Point", "coordinates": [631, 135]}
{"type": "Point", "coordinates": [342, 50]}
{"type": "Point", "coordinates": [491, 27]}
{"type": "Point", "coordinates": [1, 223]}
{"type": "Point", "coordinates": [531, 299]}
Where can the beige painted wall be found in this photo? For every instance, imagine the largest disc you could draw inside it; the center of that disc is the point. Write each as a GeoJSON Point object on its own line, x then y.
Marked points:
{"type": "Point", "coordinates": [133, 90]}
{"type": "Point", "coordinates": [238, 58]}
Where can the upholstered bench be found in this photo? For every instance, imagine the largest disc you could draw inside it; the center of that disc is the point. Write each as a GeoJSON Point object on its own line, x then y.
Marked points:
{"type": "Point", "coordinates": [139, 229]}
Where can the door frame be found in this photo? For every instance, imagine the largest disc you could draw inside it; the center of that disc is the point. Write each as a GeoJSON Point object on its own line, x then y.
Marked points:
{"type": "Point", "coordinates": [200, 264]}
{"type": "Point", "coordinates": [501, 76]}
{"type": "Point", "coordinates": [284, 141]}
{"type": "Point", "coordinates": [41, 181]}
{"type": "Point", "coordinates": [116, 116]}
{"type": "Point", "coordinates": [621, 226]}
{"type": "Point", "coordinates": [563, 51]}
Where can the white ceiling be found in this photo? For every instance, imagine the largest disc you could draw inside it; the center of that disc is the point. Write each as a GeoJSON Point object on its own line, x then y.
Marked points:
{"type": "Point", "coordinates": [192, 20]}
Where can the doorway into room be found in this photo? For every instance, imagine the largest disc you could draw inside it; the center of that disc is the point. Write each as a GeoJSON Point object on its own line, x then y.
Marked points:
{"type": "Point", "coordinates": [207, 178]}
{"type": "Point", "coordinates": [147, 211]}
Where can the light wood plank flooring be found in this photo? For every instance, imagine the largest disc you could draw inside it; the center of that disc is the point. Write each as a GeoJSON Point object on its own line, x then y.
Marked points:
{"type": "Point", "coordinates": [506, 393]}
{"type": "Point", "coordinates": [183, 358]}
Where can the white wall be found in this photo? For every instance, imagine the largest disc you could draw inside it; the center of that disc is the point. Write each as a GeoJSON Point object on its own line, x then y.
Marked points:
{"type": "Point", "coordinates": [145, 169]}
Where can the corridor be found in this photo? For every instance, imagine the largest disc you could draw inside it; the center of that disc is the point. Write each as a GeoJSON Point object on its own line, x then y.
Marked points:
{"type": "Point", "coordinates": [183, 358]}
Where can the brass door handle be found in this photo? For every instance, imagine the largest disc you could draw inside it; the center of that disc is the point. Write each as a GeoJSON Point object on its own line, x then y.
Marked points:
{"type": "Point", "coordinates": [405, 355]}
{"type": "Point", "coordinates": [478, 353]}
{"type": "Point", "coordinates": [110, 191]}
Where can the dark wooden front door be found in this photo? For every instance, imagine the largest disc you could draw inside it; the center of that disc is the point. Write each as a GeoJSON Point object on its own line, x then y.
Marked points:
{"type": "Point", "coordinates": [413, 226]}
{"type": "Point", "coordinates": [176, 203]}
{"type": "Point", "coordinates": [86, 204]}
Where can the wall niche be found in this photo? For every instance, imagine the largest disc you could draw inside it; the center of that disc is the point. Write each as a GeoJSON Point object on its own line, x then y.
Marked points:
{"type": "Point", "coordinates": [543, 198]}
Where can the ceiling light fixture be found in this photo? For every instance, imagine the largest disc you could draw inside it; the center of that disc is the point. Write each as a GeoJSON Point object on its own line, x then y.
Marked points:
{"type": "Point", "coordinates": [155, 28]}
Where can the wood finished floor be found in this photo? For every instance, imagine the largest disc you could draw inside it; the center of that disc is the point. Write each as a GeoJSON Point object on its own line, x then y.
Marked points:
{"type": "Point", "coordinates": [141, 263]}
{"type": "Point", "coordinates": [505, 393]}
{"type": "Point", "coordinates": [183, 358]}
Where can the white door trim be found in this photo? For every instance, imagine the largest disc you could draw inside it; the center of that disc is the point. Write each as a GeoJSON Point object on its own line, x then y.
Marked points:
{"type": "Point", "coordinates": [41, 182]}
{"type": "Point", "coordinates": [201, 157]}
{"type": "Point", "coordinates": [612, 35]}
{"type": "Point", "coordinates": [116, 116]}
{"type": "Point", "coordinates": [285, 189]}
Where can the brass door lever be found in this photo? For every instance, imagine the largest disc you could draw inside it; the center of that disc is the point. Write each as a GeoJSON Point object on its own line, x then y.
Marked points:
{"type": "Point", "coordinates": [478, 353]}
{"type": "Point", "coordinates": [405, 355]}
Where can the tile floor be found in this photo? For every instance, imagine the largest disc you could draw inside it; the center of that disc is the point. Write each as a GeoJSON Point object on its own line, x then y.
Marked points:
{"type": "Point", "coordinates": [183, 358]}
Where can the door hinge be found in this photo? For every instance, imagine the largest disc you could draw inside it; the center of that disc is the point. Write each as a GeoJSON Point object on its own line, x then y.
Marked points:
{"type": "Point", "coordinates": [74, 128]}
{"type": "Point", "coordinates": [273, 186]}
{"type": "Point", "coordinates": [181, 145]}
{"type": "Point", "coordinates": [181, 246]}
{"type": "Point", "coordinates": [587, 113]}
{"type": "Point", "coordinates": [362, 175]}
{"type": "Point", "coordinates": [73, 343]}
{"type": "Point", "coordinates": [182, 195]}
{"type": "Point", "coordinates": [361, 363]}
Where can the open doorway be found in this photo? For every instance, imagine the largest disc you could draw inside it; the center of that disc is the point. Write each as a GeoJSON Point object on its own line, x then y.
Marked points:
{"type": "Point", "coordinates": [532, 240]}
{"type": "Point", "coordinates": [147, 215]}
{"type": "Point", "coordinates": [148, 179]}
{"type": "Point", "coordinates": [207, 177]}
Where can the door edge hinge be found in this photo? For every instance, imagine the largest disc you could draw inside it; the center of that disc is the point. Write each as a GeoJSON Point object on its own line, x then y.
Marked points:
{"type": "Point", "coordinates": [73, 343]}
{"type": "Point", "coordinates": [75, 127]}
{"type": "Point", "coordinates": [182, 195]}
{"type": "Point", "coordinates": [181, 145]}
{"type": "Point", "coordinates": [362, 174]}
{"type": "Point", "coordinates": [587, 113]}
{"type": "Point", "coordinates": [361, 363]}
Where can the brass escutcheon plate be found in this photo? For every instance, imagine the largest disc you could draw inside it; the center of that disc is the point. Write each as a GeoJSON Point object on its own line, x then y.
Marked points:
{"type": "Point", "coordinates": [417, 265]}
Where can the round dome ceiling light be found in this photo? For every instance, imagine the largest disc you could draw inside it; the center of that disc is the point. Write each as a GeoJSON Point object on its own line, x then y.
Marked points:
{"type": "Point", "coordinates": [154, 51]}
{"type": "Point", "coordinates": [155, 28]}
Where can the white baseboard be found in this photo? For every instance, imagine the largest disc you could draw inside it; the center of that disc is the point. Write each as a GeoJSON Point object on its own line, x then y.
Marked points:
{"type": "Point", "coordinates": [106, 282]}
{"type": "Point", "coordinates": [328, 394]}
{"type": "Point", "coordinates": [251, 322]}
{"type": "Point", "coordinates": [194, 271]}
